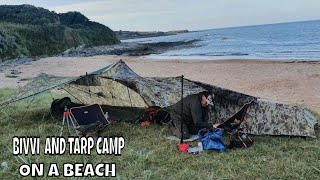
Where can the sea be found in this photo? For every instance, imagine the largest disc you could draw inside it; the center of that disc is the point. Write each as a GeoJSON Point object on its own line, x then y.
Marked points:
{"type": "Point", "coordinates": [299, 41]}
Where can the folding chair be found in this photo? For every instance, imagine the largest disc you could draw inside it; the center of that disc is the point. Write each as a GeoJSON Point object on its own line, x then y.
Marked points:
{"type": "Point", "coordinates": [234, 126]}
{"type": "Point", "coordinates": [89, 118]}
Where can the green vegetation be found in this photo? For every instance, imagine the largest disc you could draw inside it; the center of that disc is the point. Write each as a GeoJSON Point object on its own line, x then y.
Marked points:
{"type": "Point", "coordinates": [26, 30]}
{"type": "Point", "coordinates": [147, 155]}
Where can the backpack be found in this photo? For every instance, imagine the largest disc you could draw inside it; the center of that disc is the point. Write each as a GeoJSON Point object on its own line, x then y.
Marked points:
{"type": "Point", "coordinates": [153, 114]}
{"type": "Point", "coordinates": [58, 105]}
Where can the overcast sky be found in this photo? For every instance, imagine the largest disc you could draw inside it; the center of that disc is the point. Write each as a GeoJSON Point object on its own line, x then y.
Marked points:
{"type": "Point", "coordinates": [163, 15]}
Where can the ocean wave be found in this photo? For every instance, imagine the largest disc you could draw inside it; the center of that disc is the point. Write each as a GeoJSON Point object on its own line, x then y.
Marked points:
{"type": "Point", "coordinates": [209, 54]}
{"type": "Point", "coordinates": [295, 41]}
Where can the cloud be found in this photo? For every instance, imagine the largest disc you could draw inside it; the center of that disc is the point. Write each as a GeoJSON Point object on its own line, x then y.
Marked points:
{"type": "Point", "coordinates": [128, 16]}
{"type": "Point", "coordinates": [88, 7]}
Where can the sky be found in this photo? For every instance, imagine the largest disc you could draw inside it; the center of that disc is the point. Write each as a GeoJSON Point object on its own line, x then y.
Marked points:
{"type": "Point", "coordinates": [165, 15]}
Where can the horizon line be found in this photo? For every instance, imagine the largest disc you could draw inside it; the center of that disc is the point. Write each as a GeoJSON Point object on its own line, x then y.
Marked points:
{"type": "Point", "coordinates": [227, 27]}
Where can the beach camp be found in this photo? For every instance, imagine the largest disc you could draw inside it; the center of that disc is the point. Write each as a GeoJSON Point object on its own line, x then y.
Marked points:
{"type": "Point", "coordinates": [159, 89]}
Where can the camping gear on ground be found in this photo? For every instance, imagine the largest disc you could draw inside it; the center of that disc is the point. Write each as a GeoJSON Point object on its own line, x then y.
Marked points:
{"type": "Point", "coordinates": [235, 126]}
{"type": "Point", "coordinates": [153, 114]}
{"type": "Point", "coordinates": [89, 118]}
{"type": "Point", "coordinates": [240, 139]}
{"type": "Point", "coordinates": [183, 147]}
{"type": "Point", "coordinates": [211, 139]}
{"type": "Point", "coordinates": [118, 85]}
{"type": "Point", "coordinates": [196, 150]}
{"type": "Point", "coordinates": [193, 137]}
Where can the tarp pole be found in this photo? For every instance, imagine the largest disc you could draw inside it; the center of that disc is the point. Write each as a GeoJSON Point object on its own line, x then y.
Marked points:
{"type": "Point", "coordinates": [181, 114]}
{"type": "Point", "coordinates": [88, 83]}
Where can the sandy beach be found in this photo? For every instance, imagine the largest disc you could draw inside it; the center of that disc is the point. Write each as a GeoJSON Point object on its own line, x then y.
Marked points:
{"type": "Point", "coordinates": [287, 82]}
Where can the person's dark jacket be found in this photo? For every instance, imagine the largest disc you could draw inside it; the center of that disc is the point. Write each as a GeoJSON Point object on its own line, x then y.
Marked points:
{"type": "Point", "coordinates": [193, 112]}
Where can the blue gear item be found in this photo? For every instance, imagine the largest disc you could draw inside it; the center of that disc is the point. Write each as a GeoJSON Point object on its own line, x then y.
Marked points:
{"type": "Point", "coordinates": [212, 139]}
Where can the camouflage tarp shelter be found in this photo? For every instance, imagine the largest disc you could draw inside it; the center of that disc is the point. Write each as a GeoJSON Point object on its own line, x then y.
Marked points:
{"type": "Point", "coordinates": [118, 85]}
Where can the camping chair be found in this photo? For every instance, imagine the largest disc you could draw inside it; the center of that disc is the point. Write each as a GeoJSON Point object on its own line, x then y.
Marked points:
{"type": "Point", "coordinates": [234, 126]}
{"type": "Point", "coordinates": [89, 118]}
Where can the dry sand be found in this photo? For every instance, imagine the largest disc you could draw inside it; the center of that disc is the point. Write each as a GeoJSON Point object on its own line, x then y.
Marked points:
{"type": "Point", "coordinates": [294, 83]}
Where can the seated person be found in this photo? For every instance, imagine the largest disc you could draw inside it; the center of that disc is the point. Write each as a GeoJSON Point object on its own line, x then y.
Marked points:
{"type": "Point", "coordinates": [195, 114]}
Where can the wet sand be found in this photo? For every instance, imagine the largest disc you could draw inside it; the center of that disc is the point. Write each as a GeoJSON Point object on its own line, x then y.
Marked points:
{"type": "Point", "coordinates": [294, 83]}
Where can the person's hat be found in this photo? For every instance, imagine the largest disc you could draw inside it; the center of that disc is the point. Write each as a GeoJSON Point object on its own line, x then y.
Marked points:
{"type": "Point", "coordinates": [210, 99]}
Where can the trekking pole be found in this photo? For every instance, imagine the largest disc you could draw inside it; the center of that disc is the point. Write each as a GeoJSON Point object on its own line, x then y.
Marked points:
{"type": "Point", "coordinates": [181, 114]}
{"type": "Point", "coordinates": [87, 78]}
{"type": "Point", "coordinates": [182, 147]}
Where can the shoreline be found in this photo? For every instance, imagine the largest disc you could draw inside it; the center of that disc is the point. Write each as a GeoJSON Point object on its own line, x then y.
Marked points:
{"type": "Point", "coordinates": [293, 82]}
{"type": "Point", "coordinates": [215, 58]}
{"type": "Point", "coordinates": [233, 60]}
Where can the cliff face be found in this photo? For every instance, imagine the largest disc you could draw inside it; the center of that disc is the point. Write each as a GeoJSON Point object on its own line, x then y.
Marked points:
{"type": "Point", "coordinates": [26, 30]}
